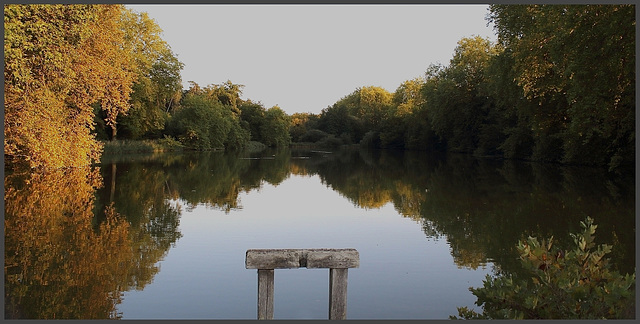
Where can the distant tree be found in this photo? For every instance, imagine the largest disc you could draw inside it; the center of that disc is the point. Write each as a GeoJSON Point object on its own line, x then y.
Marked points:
{"type": "Point", "coordinates": [373, 106]}
{"type": "Point", "coordinates": [158, 83]}
{"type": "Point", "coordinates": [352, 116]}
{"type": "Point", "coordinates": [253, 115]}
{"type": "Point", "coordinates": [227, 93]}
{"type": "Point", "coordinates": [455, 105]}
{"type": "Point", "coordinates": [203, 122]}
{"type": "Point", "coordinates": [299, 125]}
{"type": "Point", "coordinates": [406, 99]}
{"type": "Point", "coordinates": [275, 129]}
{"type": "Point", "coordinates": [199, 123]}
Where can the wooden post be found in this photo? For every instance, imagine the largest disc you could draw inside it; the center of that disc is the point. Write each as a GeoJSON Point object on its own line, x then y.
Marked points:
{"type": "Point", "coordinates": [337, 260]}
{"type": "Point", "coordinates": [265, 293]}
{"type": "Point", "coordinates": [338, 293]}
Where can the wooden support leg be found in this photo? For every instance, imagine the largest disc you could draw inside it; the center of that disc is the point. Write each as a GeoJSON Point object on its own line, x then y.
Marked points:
{"type": "Point", "coordinates": [265, 294]}
{"type": "Point", "coordinates": [338, 293]}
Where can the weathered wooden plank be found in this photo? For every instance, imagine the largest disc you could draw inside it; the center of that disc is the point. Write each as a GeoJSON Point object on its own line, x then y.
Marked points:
{"type": "Point", "coordinates": [333, 258]}
{"type": "Point", "coordinates": [296, 258]}
{"type": "Point", "coordinates": [265, 294]}
{"type": "Point", "coordinates": [273, 259]}
{"type": "Point", "coordinates": [337, 294]}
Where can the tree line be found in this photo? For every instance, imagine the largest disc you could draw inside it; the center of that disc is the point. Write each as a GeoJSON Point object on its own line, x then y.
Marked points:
{"type": "Point", "coordinates": [558, 85]}
{"type": "Point", "coordinates": [78, 75]}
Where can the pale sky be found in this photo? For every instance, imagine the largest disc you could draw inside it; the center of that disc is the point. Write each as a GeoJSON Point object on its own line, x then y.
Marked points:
{"type": "Point", "coordinates": [304, 58]}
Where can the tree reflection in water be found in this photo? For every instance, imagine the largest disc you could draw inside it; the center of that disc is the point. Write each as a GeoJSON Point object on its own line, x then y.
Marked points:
{"type": "Point", "coordinates": [72, 245]}
{"type": "Point", "coordinates": [56, 264]}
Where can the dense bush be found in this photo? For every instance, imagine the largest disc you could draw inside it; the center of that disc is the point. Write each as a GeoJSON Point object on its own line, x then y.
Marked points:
{"type": "Point", "coordinates": [576, 283]}
{"type": "Point", "coordinates": [313, 136]}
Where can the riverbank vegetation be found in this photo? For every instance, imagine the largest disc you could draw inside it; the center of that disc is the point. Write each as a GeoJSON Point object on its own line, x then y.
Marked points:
{"type": "Point", "coordinates": [571, 283]}
{"type": "Point", "coordinates": [79, 75]}
{"type": "Point", "coordinates": [558, 85]}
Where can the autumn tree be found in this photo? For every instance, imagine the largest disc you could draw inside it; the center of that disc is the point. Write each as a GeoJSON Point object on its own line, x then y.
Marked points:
{"type": "Point", "coordinates": [59, 60]}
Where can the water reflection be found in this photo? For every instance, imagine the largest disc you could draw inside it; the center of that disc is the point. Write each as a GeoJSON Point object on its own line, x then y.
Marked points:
{"type": "Point", "coordinates": [57, 263]}
{"type": "Point", "coordinates": [485, 206]}
{"type": "Point", "coordinates": [74, 244]}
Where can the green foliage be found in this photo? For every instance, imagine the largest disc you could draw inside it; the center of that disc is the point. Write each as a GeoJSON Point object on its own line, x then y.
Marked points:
{"type": "Point", "coordinates": [268, 126]}
{"type": "Point", "coordinates": [331, 141]}
{"type": "Point", "coordinates": [226, 93]}
{"type": "Point", "coordinates": [313, 136]}
{"type": "Point", "coordinates": [363, 110]}
{"type": "Point", "coordinates": [203, 122]}
{"type": "Point", "coordinates": [300, 124]}
{"type": "Point", "coordinates": [275, 127]}
{"type": "Point", "coordinates": [137, 146]}
{"type": "Point", "coordinates": [198, 123]}
{"type": "Point", "coordinates": [238, 136]}
{"type": "Point", "coordinates": [558, 86]}
{"type": "Point", "coordinates": [456, 106]}
{"type": "Point", "coordinates": [253, 115]}
{"type": "Point", "coordinates": [576, 283]}
{"type": "Point", "coordinates": [155, 94]}
{"type": "Point", "coordinates": [575, 62]}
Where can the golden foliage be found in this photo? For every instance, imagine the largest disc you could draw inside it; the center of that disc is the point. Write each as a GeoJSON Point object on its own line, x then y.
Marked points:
{"type": "Point", "coordinates": [60, 60]}
{"type": "Point", "coordinates": [58, 264]}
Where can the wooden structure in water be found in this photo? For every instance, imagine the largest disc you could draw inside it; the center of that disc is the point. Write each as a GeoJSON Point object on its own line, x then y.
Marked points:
{"type": "Point", "coordinates": [338, 261]}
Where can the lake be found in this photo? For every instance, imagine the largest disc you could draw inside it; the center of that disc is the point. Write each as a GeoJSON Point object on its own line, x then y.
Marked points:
{"type": "Point", "coordinates": [164, 236]}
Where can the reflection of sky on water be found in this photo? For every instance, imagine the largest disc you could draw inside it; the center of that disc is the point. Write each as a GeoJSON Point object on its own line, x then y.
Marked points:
{"type": "Point", "coordinates": [402, 274]}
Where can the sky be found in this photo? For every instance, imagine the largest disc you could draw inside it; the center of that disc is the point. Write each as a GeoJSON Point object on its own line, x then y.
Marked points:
{"type": "Point", "coordinates": [304, 58]}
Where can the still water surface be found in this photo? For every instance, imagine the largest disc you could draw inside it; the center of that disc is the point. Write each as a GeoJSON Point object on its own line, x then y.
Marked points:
{"type": "Point", "coordinates": [427, 228]}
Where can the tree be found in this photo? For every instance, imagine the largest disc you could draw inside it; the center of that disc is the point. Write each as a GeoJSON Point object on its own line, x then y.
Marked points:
{"type": "Point", "coordinates": [59, 60]}
{"type": "Point", "coordinates": [576, 62]}
{"type": "Point", "coordinates": [203, 122]}
{"type": "Point", "coordinates": [275, 129]}
{"type": "Point", "coordinates": [227, 93]}
{"type": "Point", "coordinates": [511, 112]}
{"type": "Point", "coordinates": [455, 104]}
{"type": "Point", "coordinates": [354, 115]}
{"type": "Point", "coordinates": [373, 106]}
{"type": "Point", "coordinates": [253, 115]}
{"type": "Point", "coordinates": [200, 123]}
{"type": "Point", "coordinates": [406, 99]}
{"type": "Point", "coordinates": [158, 83]}
{"type": "Point", "coordinates": [300, 123]}
{"type": "Point", "coordinates": [576, 283]}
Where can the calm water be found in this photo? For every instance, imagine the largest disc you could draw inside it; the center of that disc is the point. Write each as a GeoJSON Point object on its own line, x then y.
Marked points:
{"type": "Point", "coordinates": [164, 236]}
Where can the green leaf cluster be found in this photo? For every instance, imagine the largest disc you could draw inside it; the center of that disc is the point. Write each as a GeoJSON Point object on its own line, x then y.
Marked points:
{"type": "Point", "coordinates": [575, 283]}
{"type": "Point", "coordinates": [270, 127]}
{"type": "Point", "coordinates": [203, 122]}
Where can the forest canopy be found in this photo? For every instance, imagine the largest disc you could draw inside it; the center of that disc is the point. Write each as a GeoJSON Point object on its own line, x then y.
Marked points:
{"type": "Point", "coordinates": [558, 85]}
